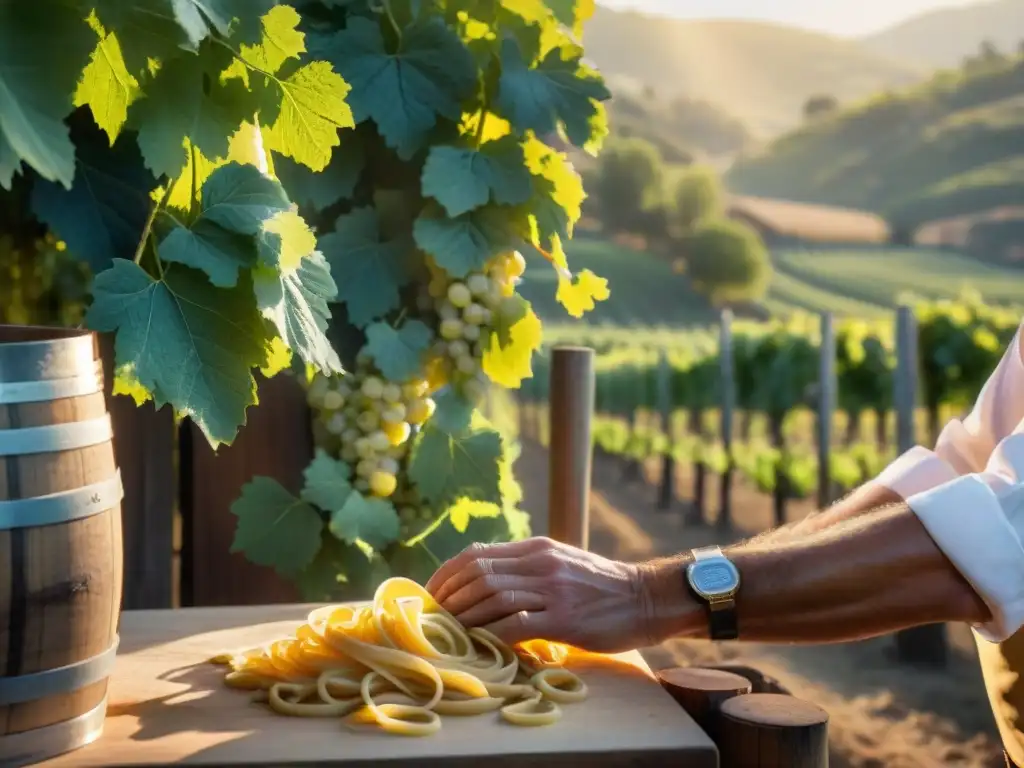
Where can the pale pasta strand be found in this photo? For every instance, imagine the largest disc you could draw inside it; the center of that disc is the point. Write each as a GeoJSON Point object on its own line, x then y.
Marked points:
{"type": "Point", "coordinates": [401, 662]}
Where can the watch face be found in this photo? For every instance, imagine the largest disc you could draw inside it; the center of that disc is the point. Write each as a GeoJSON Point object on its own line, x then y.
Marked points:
{"type": "Point", "coordinates": [714, 577]}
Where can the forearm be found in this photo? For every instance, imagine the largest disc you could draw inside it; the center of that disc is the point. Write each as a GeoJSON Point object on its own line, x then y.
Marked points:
{"type": "Point", "coordinates": [871, 574]}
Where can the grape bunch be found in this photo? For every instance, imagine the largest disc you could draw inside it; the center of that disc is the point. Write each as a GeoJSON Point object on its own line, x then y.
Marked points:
{"type": "Point", "coordinates": [367, 421]}
{"type": "Point", "coordinates": [468, 310]}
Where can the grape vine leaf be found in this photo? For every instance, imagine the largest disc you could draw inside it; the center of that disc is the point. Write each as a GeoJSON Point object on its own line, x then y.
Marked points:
{"type": "Point", "coordinates": [466, 243]}
{"type": "Point", "coordinates": [327, 480]}
{"type": "Point", "coordinates": [447, 467]}
{"type": "Point", "coordinates": [430, 74]}
{"type": "Point", "coordinates": [557, 202]}
{"type": "Point", "coordinates": [335, 182]}
{"type": "Point", "coordinates": [340, 572]}
{"type": "Point", "coordinates": [572, 13]}
{"type": "Point", "coordinates": [554, 92]}
{"type": "Point", "coordinates": [186, 100]}
{"type": "Point", "coordinates": [398, 353]}
{"type": "Point", "coordinates": [513, 309]}
{"type": "Point", "coordinates": [240, 198]}
{"type": "Point", "coordinates": [368, 271]}
{"type": "Point", "coordinates": [284, 240]}
{"type": "Point", "coordinates": [462, 510]}
{"type": "Point", "coordinates": [211, 248]}
{"type": "Point", "coordinates": [358, 518]}
{"type": "Point", "coordinates": [295, 301]}
{"type": "Point", "coordinates": [43, 48]}
{"type": "Point", "coordinates": [579, 294]}
{"type": "Point", "coordinates": [280, 40]}
{"type": "Point", "coordinates": [190, 344]}
{"type": "Point", "coordinates": [509, 365]}
{"type": "Point", "coordinates": [274, 528]}
{"type": "Point", "coordinates": [107, 87]}
{"type": "Point", "coordinates": [463, 178]}
{"type": "Point", "coordinates": [102, 215]}
{"type": "Point", "coordinates": [453, 413]}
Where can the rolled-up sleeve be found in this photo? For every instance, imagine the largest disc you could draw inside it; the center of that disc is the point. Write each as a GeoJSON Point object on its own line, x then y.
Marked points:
{"type": "Point", "coordinates": [967, 492]}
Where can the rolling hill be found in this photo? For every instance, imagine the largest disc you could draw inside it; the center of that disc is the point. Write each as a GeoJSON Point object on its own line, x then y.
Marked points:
{"type": "Point", "coordinates": [943, 38]}
{"type": "Point", "coordinates": [760, 73]}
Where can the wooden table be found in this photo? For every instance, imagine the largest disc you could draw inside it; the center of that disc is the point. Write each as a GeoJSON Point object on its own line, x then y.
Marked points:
{"type": "Point", "coordinates": [169, 706]}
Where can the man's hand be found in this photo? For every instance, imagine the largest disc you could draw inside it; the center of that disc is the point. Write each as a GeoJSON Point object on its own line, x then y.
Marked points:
{"type": "Point", "coordinates": [542, 589]}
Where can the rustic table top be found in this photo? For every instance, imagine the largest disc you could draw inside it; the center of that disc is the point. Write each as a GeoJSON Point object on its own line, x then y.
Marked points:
{"type": "Point", "coordinates": [168, 705]}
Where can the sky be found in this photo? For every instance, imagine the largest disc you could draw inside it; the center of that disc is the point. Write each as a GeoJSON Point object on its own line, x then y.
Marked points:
{"type": "Point", "coordinates": [848, 18]}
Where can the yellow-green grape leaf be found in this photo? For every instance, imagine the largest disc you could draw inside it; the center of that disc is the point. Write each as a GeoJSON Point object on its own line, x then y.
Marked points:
{"type": "Point", "coordinates": [295, 301]}
{"type": "Point", "coordinates": [466, 243]}
{"type": "Point", "coordinates": [580, 294]}
{"type": "Point", "coordinates": [274, 528]}
{"type": "Point", "coordinates": [573, 13]}
{"type": "Point", "coordinates": [279, 41]}
{"type": "Point", "coordinates": [463, 178]}
{"type": "Point", "coordinates": [126, 383]}
{"type": "Point", "coordinates": [463, 510]}
{"type": "Point", "coordinates": [511, 310]}
{"type": "Point", "coordinates": [430, 74]}
{"type": "Point", "coordinates": [190, 344]}
{"type": "Point", "coordinates": [107, 87]}
{"type": "Point", "coordinates": [357, 518]}
{"type": "Point", "coordinates": [311, 110]}
{"type": "Point", "coordinates": [449, 466]}
{"type": "Point", "coordinates": [284, 239]}
{"type": "Point", "coordinates": [558, 197]}
{"type": "Point", "coordinates": [398, 353]}
{"type": "Point", "coordinates": [508, 366]}
{"type": "Point", "coordinates": [551, 94]}
{"type": "Point", "coordinates": [279, 358]}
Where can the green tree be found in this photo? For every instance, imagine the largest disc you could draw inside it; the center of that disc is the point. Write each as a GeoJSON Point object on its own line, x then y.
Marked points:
{"type": "Point", "coordinates": [728, 261]}
{"type": "Point", "coordinates": [820, 105]}
{"type": "Point", "coordinates": [628, 185]}
{"type": "Point", "coordinates": [697, 197]}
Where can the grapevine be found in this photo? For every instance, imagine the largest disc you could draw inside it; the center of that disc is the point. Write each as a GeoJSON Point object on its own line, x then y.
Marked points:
{"type": "Point", "coordinates": [339, 191]}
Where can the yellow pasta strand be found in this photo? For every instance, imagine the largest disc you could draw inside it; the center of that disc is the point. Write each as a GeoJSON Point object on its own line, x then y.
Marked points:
{"type": "Point", "coordinates": [400, 663]}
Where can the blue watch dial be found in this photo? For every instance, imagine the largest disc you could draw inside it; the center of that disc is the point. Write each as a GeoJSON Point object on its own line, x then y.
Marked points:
{"type": "Point", "coordinates": [714, 577]}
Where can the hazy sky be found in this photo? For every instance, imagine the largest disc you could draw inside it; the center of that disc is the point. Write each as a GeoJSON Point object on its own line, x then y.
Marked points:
{"type": "Point", "coordinates": [840, 17]}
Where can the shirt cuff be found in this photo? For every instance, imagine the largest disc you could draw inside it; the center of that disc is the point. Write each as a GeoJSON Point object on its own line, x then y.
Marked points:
{"type": "Point", "coordinates": [917, 470]}
{"type": "Point", "coordinates": [968, 524]}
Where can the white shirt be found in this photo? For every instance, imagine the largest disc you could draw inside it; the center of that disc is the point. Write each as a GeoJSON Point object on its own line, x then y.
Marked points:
{"type": "Point", "coordinates": [969, 493]}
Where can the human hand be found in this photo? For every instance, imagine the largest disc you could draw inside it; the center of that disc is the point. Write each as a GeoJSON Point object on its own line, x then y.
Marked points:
{"type": "Point", "coordinates": [542, 589]}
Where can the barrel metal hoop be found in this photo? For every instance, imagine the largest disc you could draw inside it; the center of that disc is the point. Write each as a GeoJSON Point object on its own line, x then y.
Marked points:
{"type": "Point", "coordinates": [62, 507]}
{"type": "Point", "coordinates": [55, 437]}
{"type": "Point", "coordinates": [53, 682]}
{"type": "Point", "coordinates": [43, 390]}
{"type": "Point", "coordinates": [31, 747]}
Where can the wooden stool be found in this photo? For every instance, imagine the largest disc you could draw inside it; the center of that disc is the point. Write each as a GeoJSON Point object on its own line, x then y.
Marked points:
{"type": "Point", "coordinates": [770, 730]}
{"type": "Point", "coordinates": [701, 692]}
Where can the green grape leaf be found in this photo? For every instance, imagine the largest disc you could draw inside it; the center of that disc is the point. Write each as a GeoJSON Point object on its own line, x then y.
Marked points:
{"type": "Point", "coordinates": [302, 113]}
{"type": "Point", "coordinates": [453, 413]}
{"type": "Point", "coordinates": [102, 215]}
{"type": "Point", "coordinates": [107, 87]}
{"type": "Point", "coordinates": [368, 272]}
{"type": "Point", "coordinates": [43, 48]}
{"type": "Point", "coordinates": [189, 344]}
{"type": "Point", "coordinates": [513, 309]}
{"type": "Point", "coordinates": [327, 480]}
{"type": "Point", "coordinates": [341, 572]}
{"type": "Point", "coordinates": [240, 198]}
{"type": "Point", "coordinates": [274, 528]}
{"type": "Point", "coordinates": [398, 353]}
{"type": "Point", "coordinates": [295, 301]}
{"type": "Point", "coordinates": [358, 518]}
{"type": "Point", "coordinates": [234, 18]}
{"type": "Point", "coordinates": [211, 248]}
{"type": "Point", "coordinates": [335, 182]}
{"type": "Point", "coordinates": [185, 100]}
{"type": "Point", "coordinates": [466, 243]}
{"type": "Point", "coordinates": [462, 178]}
{"type": "Point", "coordinates": [403, 92]}
{"type": "Point", "coordinates": [446, 467]}
{"type": "Point", "coordinates": [554, 92]}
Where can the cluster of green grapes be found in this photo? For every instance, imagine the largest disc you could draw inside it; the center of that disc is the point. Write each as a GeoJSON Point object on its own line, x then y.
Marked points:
{"type": "Point", "coordinates": [468, 310]}
{"type": "Point", "coordinates": [367, 422]}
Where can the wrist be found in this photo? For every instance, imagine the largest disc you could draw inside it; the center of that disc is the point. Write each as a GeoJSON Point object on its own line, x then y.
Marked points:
{"type": "Point", "coordinates": [669, 609]}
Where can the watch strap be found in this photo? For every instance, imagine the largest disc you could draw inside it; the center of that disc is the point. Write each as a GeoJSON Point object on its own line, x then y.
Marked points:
{"type": "Point", "coordinates": [722, 621]}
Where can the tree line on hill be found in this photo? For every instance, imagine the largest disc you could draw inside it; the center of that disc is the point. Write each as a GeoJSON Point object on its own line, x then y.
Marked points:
{"type": "Point", "coordinates": [679, 211]}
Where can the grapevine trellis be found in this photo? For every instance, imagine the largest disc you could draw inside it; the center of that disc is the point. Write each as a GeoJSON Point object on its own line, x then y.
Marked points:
{"type": "Point", "coordinates": [332, 189]}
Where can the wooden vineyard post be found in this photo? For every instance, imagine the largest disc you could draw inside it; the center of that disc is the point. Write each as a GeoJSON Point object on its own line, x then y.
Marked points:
{"type": "Point", "coordinates": [667, 489]}
{"type": "Point", "coordinates": [924, 646]}
{"type": "Point", "coordinates": [571, 407]}
{"type": "Point", "coordinates": [728, 385]}
{"type": "Point", "coordinates": [701, 692]}
{"type": "Point", "coordinates": [771, 730]}
{"type": "Point", "coordinates": [826, 407]}
{"type": "Point", "coordinates": [695, 427]}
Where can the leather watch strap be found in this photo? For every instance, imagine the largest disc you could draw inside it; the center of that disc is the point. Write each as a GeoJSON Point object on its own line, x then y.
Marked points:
{"type": "Point", "coordinates": [722, 621]}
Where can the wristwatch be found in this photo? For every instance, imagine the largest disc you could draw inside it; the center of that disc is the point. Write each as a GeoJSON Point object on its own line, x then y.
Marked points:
{"type": "Point", "coordinates": [714, 580]}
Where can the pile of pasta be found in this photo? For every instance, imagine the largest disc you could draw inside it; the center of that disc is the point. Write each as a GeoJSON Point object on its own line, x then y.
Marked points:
{"type": "Point", "coordinates": [401, 662]}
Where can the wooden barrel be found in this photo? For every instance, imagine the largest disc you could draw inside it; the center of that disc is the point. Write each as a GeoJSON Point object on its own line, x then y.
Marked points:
{"type": "Point", "coordinates": [60, 543]}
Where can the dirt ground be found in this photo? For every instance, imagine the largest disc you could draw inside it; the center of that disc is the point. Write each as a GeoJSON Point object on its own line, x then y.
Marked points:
{"type": "Point", "coordinates": [882, 714]}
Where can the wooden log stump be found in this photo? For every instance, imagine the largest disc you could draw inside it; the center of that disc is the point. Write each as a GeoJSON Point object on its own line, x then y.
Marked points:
{"type": "Point", "coordinates": [701, 692]}
{"type": "Point", "coordinates": [759, 682]}
{"type": "Point", "coordinates": [768, 730]}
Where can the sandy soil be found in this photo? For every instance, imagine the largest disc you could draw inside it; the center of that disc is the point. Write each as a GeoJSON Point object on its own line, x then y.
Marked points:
{"type": "Point", "coordinates": [882, 714]}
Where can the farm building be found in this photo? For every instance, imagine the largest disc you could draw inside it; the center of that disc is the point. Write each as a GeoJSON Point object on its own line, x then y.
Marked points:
{"type": "Point", "coordinates": [783, 222]}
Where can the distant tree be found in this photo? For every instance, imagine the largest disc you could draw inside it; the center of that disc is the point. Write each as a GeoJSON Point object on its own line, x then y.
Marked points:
{"type": "Point", "coordinates": [727, 261]}
{"type": "Point", "coordinates": [628, 184]}
{"type": "Point", "coordinates": [989, 52]}
{"type": "Point", "coordinates": [819, 105]}
{"type": "Point", "coordinates": [696, 197]}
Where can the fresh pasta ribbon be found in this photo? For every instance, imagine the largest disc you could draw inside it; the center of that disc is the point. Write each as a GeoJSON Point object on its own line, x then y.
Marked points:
{"type": "Point", "coordinates": [400, 662]}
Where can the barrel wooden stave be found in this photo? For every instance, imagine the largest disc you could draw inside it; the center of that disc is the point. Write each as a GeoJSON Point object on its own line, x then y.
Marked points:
{"type": "Point", "coordinates": [60, 584]}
